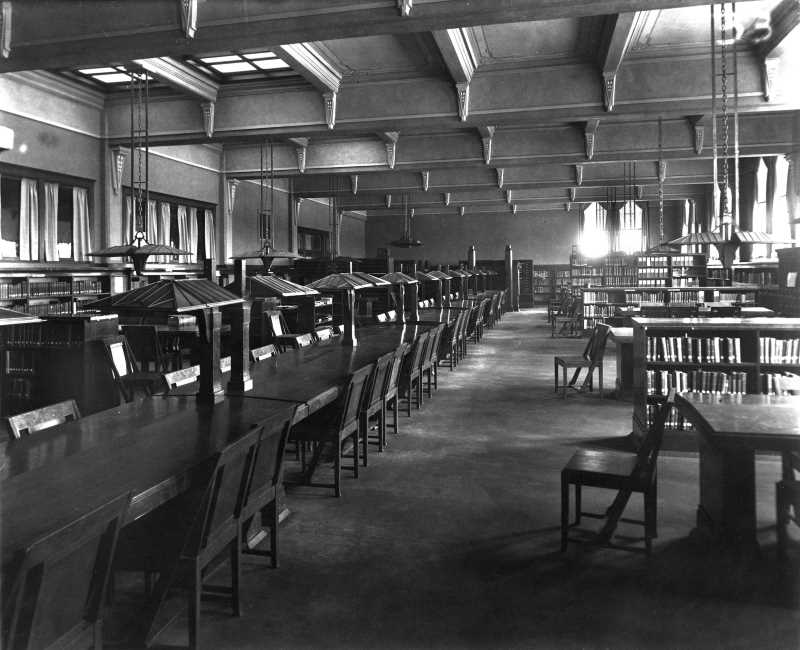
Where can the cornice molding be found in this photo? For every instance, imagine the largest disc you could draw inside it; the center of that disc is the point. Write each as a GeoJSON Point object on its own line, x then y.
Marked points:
{"type": "Point", "coordinates": [181, 76]}
{"type": "Point", "coordinates": [54, 84]}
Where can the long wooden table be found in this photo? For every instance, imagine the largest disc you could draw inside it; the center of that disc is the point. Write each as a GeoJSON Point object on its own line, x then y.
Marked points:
{"type": "Point", "coordinates": [731, 429]}
{"type": "Point", "coordinates": [150, 447]}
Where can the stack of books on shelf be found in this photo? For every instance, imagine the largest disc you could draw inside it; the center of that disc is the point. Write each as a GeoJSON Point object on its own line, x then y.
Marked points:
{"type": "Point", "coordinates": [692, 349]}
{"type": "Point", "coordinates": [777, 351]}
{"type": "Point", "coordinates": [721, 382]}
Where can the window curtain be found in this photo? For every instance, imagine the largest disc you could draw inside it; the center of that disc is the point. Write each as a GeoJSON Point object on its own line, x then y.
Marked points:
{"type": "Point", "coordinates": [50, 234]}
{"type": "Point", "coordinates": [164, 210]}
{"type": "Point", "coordinates": [29, 220]}
{"type": "Point", "coordinates": [191, 234]}
{"type": "Point", "coordinates": [183, 235]}
{"type": "Point", "coordinates": [210, 238]}
{"type": "Point", "coordinates": [127, 222]}
{"type": "Point", "coordinates": [80, 223]}
{"type": "Point", "coordinates": [152, 222]}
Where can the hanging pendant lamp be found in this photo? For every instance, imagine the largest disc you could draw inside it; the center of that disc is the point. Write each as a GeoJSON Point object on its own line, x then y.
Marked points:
{"type": "Point", "coordinates": [267, 252]}
{"type": "Point", "coordinates": [139, 249]}
{"type": "Point", "coordinates": [728, 237]}
{"type": "Point", "coordinates": [407, 240]}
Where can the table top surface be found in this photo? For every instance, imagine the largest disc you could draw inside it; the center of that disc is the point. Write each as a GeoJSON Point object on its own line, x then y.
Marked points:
{"type": "Point", "coordinates": [767, 422]}
{"type": "Point", "coordinates": [149, 447]}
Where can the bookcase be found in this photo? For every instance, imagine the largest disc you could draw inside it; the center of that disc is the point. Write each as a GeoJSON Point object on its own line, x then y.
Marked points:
{"type": "Point", "coordinates": [40, 293]}
{"type": "Point", "coordinates": [526, 290]}
{"type": "Point", "coordinates": [549, 280]}
{"type": "Point", "coordinates": [710, 355]}
{"type": "Point", "coordinates": [582, 272]}
{"type": "Point", "coordinates": [60, 358]}
{"type": "Point", "coordinates": [671, 270]}
{"type": "Point", "coordinates": [785, 298]}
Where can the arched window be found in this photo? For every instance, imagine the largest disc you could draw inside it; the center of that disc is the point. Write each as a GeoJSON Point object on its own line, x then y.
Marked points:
{"type": "Point", "coordinates": [629, 239]}
{"type": "Point", "coordinates": [594, 235]}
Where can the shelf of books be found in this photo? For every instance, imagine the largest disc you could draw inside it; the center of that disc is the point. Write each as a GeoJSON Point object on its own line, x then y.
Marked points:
{"type": "Point", "coordinates": [710, 355]}
{"type": "Point", "coordinates": [543, 283]}
{"type": "Point", "coordinates": [785, 297]}
{"type": "Point", "coordinates": [41, 294]}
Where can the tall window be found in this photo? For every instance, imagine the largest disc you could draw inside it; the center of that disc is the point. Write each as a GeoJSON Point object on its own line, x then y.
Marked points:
{"type": "Point", "coordinates": [776, 223]}
{"type": "Point", "coordinates": [594, 236]}
{"type": "Point", "coordinates": [43, 217]}
{"type": "Point", "coordinates": [629, 239]}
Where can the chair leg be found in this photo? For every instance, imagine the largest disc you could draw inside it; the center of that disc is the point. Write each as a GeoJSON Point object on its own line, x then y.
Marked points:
{"type": "Point", "coordinates": [194, 607]}
{"type": "Point", "coordinates": [382, 428]}
{"type": "Point", "coordinates": [564, 512]}
{"type": "Point", "coordinates": [555, 372]}
{"type": "Point", "coordinates": [337, 471]}
{"type": "Point", "coordinates": [600, 379]}
{"type": "Point", "coordinates": [236, 573]}
{"type": "Point", "coordinates": [356, 442]}
{"type": "Point", "coordinates": [364, 439]}
{"type": "Point", "coordinates": [564, 382]}
{"type": "Point", "coordinates": [781, 518]}
{"type": "Point", "coordinates": [578, 504]}
{"type": "Point", "coordinates": [273, 533]}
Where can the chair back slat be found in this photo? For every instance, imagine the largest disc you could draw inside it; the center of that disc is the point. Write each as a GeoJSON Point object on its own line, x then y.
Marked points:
{"type": "Point", "coordinates": [651, 443]}
{"type": "Point", "coordinates": [263, 352]}
{"type": "Point", "coordinates": [224, 494]}
{"type": "Point", "coordinates": [353, 396]}
{"type": "Point", "coordinates": [267, 466]}
{"type": "Point", "coordinates": [397, 362]}
{"type": "Point", "coordinates": [377, 381]}
{"type": "Point", "coordinates": [59, 586]}
{"type": "Point", "coordinates": [596, 347]}
{"type": "Point", "coordinates": [43, 418]}
{"type": "Point", "coordinates": [416, 355]}
{"type": "Point", "coordinates": [144, 343]}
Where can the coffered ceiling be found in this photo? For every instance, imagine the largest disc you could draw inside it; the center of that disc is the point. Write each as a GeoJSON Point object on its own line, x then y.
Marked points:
{"type": "Point", "coordinates": [490, 106]}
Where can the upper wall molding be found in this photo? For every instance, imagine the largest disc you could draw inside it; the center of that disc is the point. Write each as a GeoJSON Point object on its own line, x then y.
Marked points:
{"type": "Point", "coordinates": [54, 84]}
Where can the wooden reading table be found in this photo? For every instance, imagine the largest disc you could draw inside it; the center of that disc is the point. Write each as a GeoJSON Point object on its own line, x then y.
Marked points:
{"type": "Point", "coordinates": [731, 429]}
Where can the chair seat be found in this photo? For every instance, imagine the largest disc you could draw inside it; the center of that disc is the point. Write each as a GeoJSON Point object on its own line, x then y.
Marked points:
{"type": "Point", "coordinates": [602, 468]}
{"type": "Point", "coordinates": [574, 362]}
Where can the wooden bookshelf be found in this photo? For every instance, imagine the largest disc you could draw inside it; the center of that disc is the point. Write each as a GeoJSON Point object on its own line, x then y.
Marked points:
{"type": "Point", "coordinates": [710, 355]}
{"type": "Point", "coordinates": [60, 358]}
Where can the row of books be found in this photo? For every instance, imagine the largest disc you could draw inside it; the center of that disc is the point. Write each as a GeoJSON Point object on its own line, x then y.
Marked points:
{"type": "Point", "coordinates": [49, 288]}
{"type": "Point", "coordinates": [692, 349]}
{"type": "Point", "coordinates": [774, 350]}
{"type": "Point", "coordinates": [646, 261]}
{"type": "Point", "coordinates": [778, 383]}
{"type": "Point", "coordinates": [652, 272]}
{"type": "Point", "coordinates": [50, 308]}
{"type": "Point", "coordinates": [659, 282]}
{"type": "Point", "coordinates": [598, 311]}
{"type": "Point", "coordinates": [685, 282]}
{"type": "Point", "coordinates": [660, 382]}
{"type": "Point", "coordinates": [43, 335]}
{"type": "Point", "coordinates": [21, 361]}
{"type": "Point", "coordinates": [674, 419]}
{"type": "Point", "coordinates": [87, 286]}
{"type": "Point", "coordinates": [688, 260]}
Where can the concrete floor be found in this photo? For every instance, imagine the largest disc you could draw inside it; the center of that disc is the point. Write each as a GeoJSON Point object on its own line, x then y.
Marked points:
{"type": "Point", "coordinates": [450, 537]}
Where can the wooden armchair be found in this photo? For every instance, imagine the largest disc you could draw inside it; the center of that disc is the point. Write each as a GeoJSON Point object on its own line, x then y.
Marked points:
{"type": "Point", "coordinates": [59, 583]}
{"type": "Point", "coordinates": [431, 359]}
{"type": "Point", "coordinates": [131, 382]}
{"type": "Point", "coordinates": [181, 539]}
{"type": "Point", "coordinates": [448, 348]}
{"type": "Point", "coordinates": [625, 472]}
{"type": "Point", "coordinates": [45, 417]}
{"type": "Point", "coordinates": [591, 359]}
{"type": "Point", "coordinates": [334, 424]}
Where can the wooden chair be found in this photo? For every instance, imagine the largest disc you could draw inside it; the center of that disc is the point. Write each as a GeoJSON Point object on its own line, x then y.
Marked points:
{"type": "Point", "coordinates": [263, 352]}
{"type": "Point", "coordinates": [448, 348]}
{"type": "Point", "coordinates": [430, 360]}
{"type": "Point", "coordinates": [131, 382]}
{"type": "Point", "coordinates": [182, 540]}
{"type": "Point", "coordinates": [374, 405]}
{"type": "Point", "coordinates": [461, 339]}
{"type": "Point", "coordinates": [281, 335]}
{"type": "Point", "coordinates": [148, 350]}
{"type": "Point", "coordinates": [334, 424]}
{"type": "Point", "coordinates": [45, 417]}
{"type": "Point", "coordinates": [59, 583]}
{"type": "Point", "coordinates": [591, 359]}
{"type": "Point", "coordinates": [411, 372]}
{"type": "Point", "coordinates": [626, 472]}
{"type": "Point", "coordinates": [261, 508]}
{"type": "Point", "coordinates": [568, 319]}
{"type": "Point", "coordinates": [392, 391]}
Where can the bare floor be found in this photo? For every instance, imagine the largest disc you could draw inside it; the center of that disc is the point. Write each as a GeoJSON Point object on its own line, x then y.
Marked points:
{"type": "Point", "coordinates": [450, 537]}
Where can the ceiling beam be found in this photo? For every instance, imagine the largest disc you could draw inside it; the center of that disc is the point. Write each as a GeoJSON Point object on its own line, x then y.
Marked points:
{"type": "Point", "coordinates": [616, 38]}
{"type": "Point", "coordinates": [320, 72]}
{"type": "Point", "coordinates": [459, 57]}
{"type": "Point", "coordinates": [54, 34]}
{"type": "Point", "coordinates": [784, 18]}
{"type": "Point", "coordinates": [496, 98]}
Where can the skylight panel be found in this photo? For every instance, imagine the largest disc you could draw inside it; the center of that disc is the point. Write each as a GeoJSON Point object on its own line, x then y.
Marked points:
{"type": "Point", "coordinates": [221, 59]}
{"type": "Point", "coordinates": [259, 55]}
{"type": "Point", "coordinates": [113, 78]}
{"type": "Point", "coordinates": [227, 68]}
{"type": "Point", "coordinates": [94, 71]}
{"type": "Point", "coordinates": [271, 64]}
